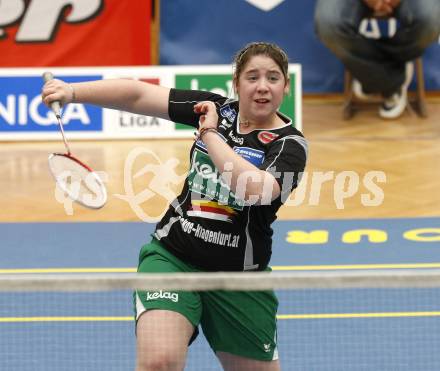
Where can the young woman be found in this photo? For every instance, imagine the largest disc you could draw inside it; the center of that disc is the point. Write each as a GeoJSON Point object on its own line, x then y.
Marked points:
{"type": "Point", "coordinates": [244, 164]}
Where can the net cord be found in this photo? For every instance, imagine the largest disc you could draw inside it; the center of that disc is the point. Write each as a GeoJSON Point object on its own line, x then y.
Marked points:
{"type": "Point", "coordinates": [427, 278]}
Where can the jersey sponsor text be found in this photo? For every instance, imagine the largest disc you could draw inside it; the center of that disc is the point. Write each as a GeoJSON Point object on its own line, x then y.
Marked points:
{"type": "Point", "coordinates": [215, 237]}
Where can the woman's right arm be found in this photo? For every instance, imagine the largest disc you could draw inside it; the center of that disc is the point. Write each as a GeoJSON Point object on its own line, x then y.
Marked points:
{"type": "Point", "coordinates": [120, 94]}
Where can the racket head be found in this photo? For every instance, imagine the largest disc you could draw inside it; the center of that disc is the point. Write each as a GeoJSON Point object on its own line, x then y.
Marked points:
{"type": "Point", "coordinates": [77, 180]}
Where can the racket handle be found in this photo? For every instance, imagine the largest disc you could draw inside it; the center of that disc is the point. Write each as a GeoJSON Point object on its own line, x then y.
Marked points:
{"type": "Point", "coordinates": [55, 105]}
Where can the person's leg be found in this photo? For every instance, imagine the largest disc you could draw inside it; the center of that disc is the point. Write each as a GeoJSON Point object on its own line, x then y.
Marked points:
{"type": "Point", "coordinates": [240, 327]}
{"type": "Point", "coordinates": [232, 362]}
{"type": "Point", "coordinates": [162, 341]}
{"type": "Point", "coordinates": [166, 321]}
{"type": "Point", "coordinates": [337, 25]}
{"type": "Point", "coordinates": [419, 27]}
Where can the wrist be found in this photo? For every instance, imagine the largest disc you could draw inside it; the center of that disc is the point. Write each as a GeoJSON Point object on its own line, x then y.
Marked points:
{"type": "Point", "coordinates": [73, 93]}
{"type": "Point", "coordinates": [203, 131]}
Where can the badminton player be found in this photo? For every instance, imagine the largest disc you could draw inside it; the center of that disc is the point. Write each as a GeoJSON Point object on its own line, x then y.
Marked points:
{"type": "Point", "coordinates": [244, 163]}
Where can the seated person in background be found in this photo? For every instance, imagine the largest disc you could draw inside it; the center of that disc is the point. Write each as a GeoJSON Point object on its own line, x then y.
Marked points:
{"type": "Point", "coordinates": [379, 66]}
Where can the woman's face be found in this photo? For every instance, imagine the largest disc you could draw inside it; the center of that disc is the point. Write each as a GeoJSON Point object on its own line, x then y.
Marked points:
{"type": "Point", "coordinates": [260, 87]}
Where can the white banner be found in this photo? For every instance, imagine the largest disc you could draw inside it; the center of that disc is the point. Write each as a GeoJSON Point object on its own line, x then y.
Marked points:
{"type": "Point", "coordinates": [23, 116]}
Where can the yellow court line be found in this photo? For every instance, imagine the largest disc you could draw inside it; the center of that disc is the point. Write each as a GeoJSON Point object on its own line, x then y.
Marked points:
{"type": "Point", "coordinates": [358, 315]}
{"type": "Point", "coordinates": [280, 317]}
{"type": "Point", "coordinates": [63, 319]}
{"type": "Point", "coordinates": [354, 266]}
{"type": "Point", "coordinates": [67, 270]}
{"type": "Point", "coordinates": [275, 268]}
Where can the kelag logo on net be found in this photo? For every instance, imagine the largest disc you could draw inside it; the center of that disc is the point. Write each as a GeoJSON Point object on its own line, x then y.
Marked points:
{"type": "Point", "coordinates": [22, 110]}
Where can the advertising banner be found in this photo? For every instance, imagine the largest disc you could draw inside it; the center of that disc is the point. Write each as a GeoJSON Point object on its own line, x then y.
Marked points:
{"type": "Point", "coordinates": [66, 33]}
{"type": "Point", "coordinates": [187, 37]}
{"type": "Point", "coordinates": [23, 116]}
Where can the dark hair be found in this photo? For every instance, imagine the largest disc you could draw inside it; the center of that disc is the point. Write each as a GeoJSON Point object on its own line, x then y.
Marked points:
{"type": "Point", "coordinates": [261, 48]}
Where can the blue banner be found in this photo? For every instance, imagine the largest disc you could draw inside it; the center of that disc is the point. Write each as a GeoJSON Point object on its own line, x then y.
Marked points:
{"type": "Point", "coordinates": [210, 32]}
{"type": "Point", "coordinates": [21, 108]}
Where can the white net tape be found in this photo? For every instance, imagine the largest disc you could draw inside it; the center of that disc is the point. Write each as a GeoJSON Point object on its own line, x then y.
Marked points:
{"type": "Point", "coordinates": [223, 280]}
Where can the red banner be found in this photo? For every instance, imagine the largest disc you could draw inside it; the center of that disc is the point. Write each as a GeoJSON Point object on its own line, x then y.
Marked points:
{"type": "Point", "coordinates": [40, 33]}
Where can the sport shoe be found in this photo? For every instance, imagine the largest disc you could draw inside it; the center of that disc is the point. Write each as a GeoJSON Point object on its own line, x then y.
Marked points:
{"type": "Point", "coordinates": [394, 106]}
{"type": "Point", "coordinates": [359, 93]}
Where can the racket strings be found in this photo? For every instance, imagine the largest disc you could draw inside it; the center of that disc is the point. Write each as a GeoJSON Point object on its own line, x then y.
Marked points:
{"type": "Point", "coordinates": [78, 182]}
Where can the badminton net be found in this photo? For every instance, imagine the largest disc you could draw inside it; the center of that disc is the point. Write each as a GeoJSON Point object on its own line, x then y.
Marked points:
{"type": "Point", "coordinates": [327, 321]}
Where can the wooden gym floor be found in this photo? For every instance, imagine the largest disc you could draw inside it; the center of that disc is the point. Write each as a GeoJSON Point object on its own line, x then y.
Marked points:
{"type": "Point", "coordinates": [406, 150]}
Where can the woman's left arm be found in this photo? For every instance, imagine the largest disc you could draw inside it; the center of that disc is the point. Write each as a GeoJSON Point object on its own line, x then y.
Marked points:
{"type": "Point", "coordinates": [253, 185]}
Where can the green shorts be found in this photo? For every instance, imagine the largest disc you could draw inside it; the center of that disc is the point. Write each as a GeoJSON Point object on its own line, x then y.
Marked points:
{"type": "Point", "coordinates": [237, 322]}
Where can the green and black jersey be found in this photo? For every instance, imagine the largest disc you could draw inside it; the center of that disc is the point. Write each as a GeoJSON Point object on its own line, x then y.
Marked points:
{"type": "Point", "coordinates": [207, 225]}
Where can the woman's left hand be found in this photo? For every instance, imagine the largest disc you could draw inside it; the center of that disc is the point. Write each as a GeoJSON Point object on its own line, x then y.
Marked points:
{"type": "Point", "coordinates": [208, 114]}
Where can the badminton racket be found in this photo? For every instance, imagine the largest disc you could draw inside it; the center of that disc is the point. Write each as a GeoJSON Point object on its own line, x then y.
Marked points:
{"type": "Point", "coordinates": [74, 177]}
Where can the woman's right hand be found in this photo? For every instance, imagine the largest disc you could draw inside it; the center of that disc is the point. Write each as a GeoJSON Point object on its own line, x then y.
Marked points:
{"type": "Point", "coordinates": [57, 90]}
